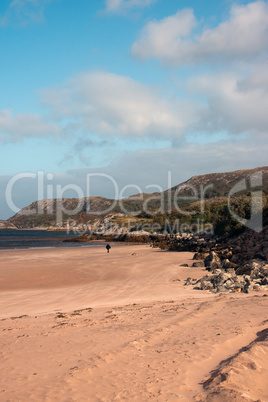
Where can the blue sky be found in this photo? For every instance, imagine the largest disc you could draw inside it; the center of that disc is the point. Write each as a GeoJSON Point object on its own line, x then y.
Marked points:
{"type": "Point", "coordinates": [130, 88]}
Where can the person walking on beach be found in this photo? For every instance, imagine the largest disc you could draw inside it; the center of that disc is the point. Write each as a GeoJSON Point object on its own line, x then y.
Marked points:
{"type": "Point", "coordinates": [108, 247]}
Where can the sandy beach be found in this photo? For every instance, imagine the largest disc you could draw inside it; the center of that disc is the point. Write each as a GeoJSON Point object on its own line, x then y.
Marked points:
{"type": "Point", "coordinates": [84, 325]}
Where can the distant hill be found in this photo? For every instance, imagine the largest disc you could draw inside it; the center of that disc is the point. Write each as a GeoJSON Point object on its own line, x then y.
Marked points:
{"type": "Point", "coordinates": [220, 184]}
{"type": "Point", "coordinates": [214, 188]}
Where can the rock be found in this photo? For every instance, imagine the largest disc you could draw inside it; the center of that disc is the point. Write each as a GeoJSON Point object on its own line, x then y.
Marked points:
{"type": "Point", "coordinates": [256, 286]}
{"type": "Point", "coordinates": [251, 268]}
{"type": "Point", "coordinates": [184, 265]}
{"type": "Point", "coordinates": [216, 271]}
{"type": "Point", "coordinates": [200, 256]}
{"type": "Point", "coordinates": [221, 289]}
{"type": "Point", "coordinates": [230, 271]}
{"type": "Point", "coordinates": [228, 264]}
{"type": "Point", "coordinates": [223, 277]}
{"type": "Point", "coordinates": [198, 264]}
{"type": "Point", "coordinates": [212, 261]}
{"type": "Point", "coordinates": [235, 259]}
{"type": "Point", "coordinates": [205, 283]}
{"type": "Point", "coordinates": [228, 254]}
{"type": "Point", "coordinates": [189, 281]}
{"type": "Point", "coordinates": [229, 284]}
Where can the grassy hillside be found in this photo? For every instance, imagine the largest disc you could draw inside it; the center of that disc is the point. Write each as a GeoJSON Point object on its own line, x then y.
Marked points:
{"type": "Point", "coordinates": [201, 201]}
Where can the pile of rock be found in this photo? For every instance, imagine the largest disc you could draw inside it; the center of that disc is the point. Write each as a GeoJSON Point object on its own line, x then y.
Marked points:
{"type": "Point", "coordinates": [226, 276]}
{"type": "Point", "coordinates": [184, 242]}
{"type": "Point", "coordinates": [249, 245]}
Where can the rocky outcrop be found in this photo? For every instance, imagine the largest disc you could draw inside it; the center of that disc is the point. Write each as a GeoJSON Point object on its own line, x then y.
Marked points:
{"type": "Point", "coordinates": [7, 225]}
{"type": "Point", "coordinates": [249, 245]}
{"type": "Point", "coordinates": [212, 261]}
{"type": "Point", "coordinates": [251, 276]}
{"type": "Point", "coordinates": [235, 265]}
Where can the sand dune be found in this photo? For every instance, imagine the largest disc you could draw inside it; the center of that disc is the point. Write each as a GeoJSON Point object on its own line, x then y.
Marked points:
{"type": "Point", "coordinates": [81, 325]}
{"type": "Point", "coordinates": [242, 377]}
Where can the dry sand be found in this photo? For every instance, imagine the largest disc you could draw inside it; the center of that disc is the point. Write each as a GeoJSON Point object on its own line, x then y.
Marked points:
{"type": "Point", "coordinates": [84, 325]}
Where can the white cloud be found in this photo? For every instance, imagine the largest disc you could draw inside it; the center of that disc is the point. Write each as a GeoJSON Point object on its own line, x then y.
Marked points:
{"type": "Point", "coordinates": [163, 39]}
{"type": "Point", "coordinates": [110, 105]}
{"type": "Point", "coordinates": [243, 36]}
{"type": "Point", "coordinates": [238, 105]}
{"type": "Point", "coordinates": [16, 128]}
{"type": "Point", "coordinates": [124, 5]}
{"type": "Point", "coordinates": [24, 12]}
{"type": "Point", "coordinates": [115, 105]}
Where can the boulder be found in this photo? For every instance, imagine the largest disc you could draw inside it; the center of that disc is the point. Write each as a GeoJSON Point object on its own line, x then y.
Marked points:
{"type": "Point", "coordinates": [228, 264]}
{"type": "Point", "coordinates": [235, 259]}
{"type": "Point", "coordinates": [212, 261]}
{"type": "Point", "coordinates": [206, 285]}
{"type": "Point", "coordinates": [216, 271]}
{"type": "Point", "coordinates": [251, 268]}
{"type": "Point", "coordinates": [223, 277]}
{"type": "Point", "coordinates": [200, 256]}
{"type": "Point", "coordinates": [198, 264]}
{"type": "Point", "coordinates": [221, 289]}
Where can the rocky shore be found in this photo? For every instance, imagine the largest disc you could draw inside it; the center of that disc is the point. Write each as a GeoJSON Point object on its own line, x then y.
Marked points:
{"type": "Point", "coordinates": [234, 265]}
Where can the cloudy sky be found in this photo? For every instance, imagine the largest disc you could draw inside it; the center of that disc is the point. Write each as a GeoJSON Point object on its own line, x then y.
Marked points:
{"type": "Point", "coordinates": [132, 89]}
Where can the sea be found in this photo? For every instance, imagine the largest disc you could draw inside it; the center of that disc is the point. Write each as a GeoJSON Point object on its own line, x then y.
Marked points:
{"type": "Point", "coordinates": [17, 239]}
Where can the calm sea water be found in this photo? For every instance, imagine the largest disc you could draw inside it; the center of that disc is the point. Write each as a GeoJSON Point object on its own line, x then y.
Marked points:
{"type": "Point", "coordinates": [27, 239]}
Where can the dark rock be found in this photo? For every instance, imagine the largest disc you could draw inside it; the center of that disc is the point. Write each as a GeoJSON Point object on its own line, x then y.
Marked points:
{"type": "Point", "coordinates": [216, 271]}
{"type": "Point", "coordinates": [212, 261]}
{"type": "Point", "coordinates": [223, 277]}
{"type": "Point", "coordinates": [206, 285]}
{"type": "Point", "coordinates": [235, 259]}
{"type": "Point", "coordinates": [200, 256]}
{"type": "Point", "coordinates": [189, 281]}
{"type": "Point", "coordinates": [198, 264]}
{"type": "Point", "coordinates": [251, 268]}
{"type": "Point", "coordinates": [221, 289]}
{"type": "Point", "coordinates": [228, 264]}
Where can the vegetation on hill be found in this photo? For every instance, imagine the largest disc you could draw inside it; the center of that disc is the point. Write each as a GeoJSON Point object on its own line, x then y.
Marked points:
{"type": "Point", "coordinates": [201, 203]}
